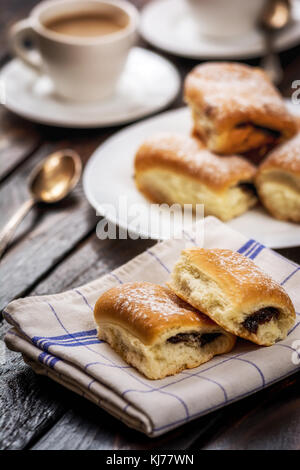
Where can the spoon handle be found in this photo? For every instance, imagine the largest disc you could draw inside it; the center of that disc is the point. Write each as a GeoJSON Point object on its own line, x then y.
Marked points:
{"type": "Point", "coordinates": [9, 229]}
{"type": "Point", "coordinates": [271, 63]}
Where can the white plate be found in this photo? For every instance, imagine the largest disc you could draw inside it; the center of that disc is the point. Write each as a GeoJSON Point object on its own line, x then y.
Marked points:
{"type": "Point", "coordinates": [168, 25]}
{"type": "Point", "coordinates": [148, 84]}
{"type": "Point", "coordinates": [109, 175]}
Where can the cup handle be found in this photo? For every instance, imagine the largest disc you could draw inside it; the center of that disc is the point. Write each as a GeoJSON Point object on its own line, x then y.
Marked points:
{"type": "Point", "coordinates": [19, 33]}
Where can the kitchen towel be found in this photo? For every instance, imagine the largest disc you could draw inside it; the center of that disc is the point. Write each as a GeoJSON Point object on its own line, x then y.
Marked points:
{"type": "Point", "coordinates": [57, 336]}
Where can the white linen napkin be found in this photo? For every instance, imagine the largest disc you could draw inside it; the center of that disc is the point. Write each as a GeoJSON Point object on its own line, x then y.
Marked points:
{"type": "Point", "coordinates": [57, 336]}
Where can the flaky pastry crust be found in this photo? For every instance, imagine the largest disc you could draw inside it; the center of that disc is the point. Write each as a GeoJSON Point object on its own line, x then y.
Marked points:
{"type": "Point", "coordinates": [231, 289]}
{"type": "Point", "coordinates": [236, 108]}
{"type": "Point", "coordinates": [278, 181]}
{"type": "Point", "coordinates": [157, 332]}
{"type": "Point", "coordinates": [173, 168]}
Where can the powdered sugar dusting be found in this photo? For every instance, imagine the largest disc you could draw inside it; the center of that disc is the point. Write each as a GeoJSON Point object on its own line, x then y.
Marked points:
{"type": "Point", "coordinates": [241, 270]}
{"type": "Point", "coordinates": [147, 304]}
{"type": "Point", "coordinates": [228, 87]}
{"type": "Point", "coordinates": [286, 156]}
{"type": "Point", "coordinates": [192, 158]}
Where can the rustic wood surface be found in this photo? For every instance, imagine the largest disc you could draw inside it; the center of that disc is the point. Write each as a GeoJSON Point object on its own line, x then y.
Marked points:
{"type": "Point", "coordinates": [56, 249]}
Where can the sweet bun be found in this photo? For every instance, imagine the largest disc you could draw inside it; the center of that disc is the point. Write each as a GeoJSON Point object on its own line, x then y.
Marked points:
{"type": "Point", "coordinates": [155, 331]}
{"type": "Point", "coordinates": [236, 108]}
{"type": "Point", "coordinates": [235, 293]}
{"type": "Point", "coordinates": [173, 168]}
{"type": "Point", "coordinates": [278, 181]}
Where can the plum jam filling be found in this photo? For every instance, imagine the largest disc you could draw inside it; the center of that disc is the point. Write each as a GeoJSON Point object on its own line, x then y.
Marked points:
{"type": "Point", "coordinates": [266, 130]}
{"type": "Point", "coordinates": [260, 317]}
{"type": "Point", "coordinates": [248, 188]}
{"type": "Point", "coordinates": [201, 340]}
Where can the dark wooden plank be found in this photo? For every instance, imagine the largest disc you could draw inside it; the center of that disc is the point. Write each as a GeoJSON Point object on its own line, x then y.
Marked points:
{"type": "Point", "coordinates": [47, 233]}
{"type": "Point", "coordinates": [12, 11]}
{"type": "Point", "coordinates": [18, 139]}
{"type": "Point", "coordinates": [90, 261]}
{"type": "Point", "coordinates": [290, 61]}
{"type": "Point", "coordinates": [253, 423]}
{"type": "Point", "coordinates": [14, 190]}
{"type": "Point", "coordinates": [270, 420]}
{"type": "Point", "coordinates": [290, 253]}
{"type": "Point", "coordinates": [23, 426]}
{"type": "Point", "coordinates": [87, 427]}
{"type": "Point", "coordinates": [29, 403]}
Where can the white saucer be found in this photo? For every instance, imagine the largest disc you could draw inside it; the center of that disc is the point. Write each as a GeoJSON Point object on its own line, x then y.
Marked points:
{"type": "Point", "coordinates": [148, 84]}
{"type": "Point", "coordinates": [109, 175]}
{"type": "Point", "coordinates": [168, 25]}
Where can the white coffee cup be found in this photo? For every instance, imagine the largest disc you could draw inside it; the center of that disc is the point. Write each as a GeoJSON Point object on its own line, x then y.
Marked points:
{"type": "Point", "coordinates": [81, 68]}
{"type": "Point", "coordinates": [225, 18]}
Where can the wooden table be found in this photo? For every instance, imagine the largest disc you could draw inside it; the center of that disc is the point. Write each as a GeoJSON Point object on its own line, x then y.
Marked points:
{"type": "Point", "coordinates": [56, 248]}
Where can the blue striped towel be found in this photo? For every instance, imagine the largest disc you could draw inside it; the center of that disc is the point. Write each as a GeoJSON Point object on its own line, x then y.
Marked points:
{"type": "Point", "coordinates": [56, 335]}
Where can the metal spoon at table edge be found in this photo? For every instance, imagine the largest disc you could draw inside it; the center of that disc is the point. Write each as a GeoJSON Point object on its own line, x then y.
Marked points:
{"type": "Point", "coordinates": [49, 182]}
{"type": "Point", "coordinates": [275, 17]}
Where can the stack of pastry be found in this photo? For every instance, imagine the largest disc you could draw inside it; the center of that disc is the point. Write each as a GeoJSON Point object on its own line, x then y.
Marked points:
{"type": "Point", "coordinates": [173, 168]}
{"type": "Point", "coordinates": [278, 181]}
{"type": "Point", "coordinates": [239, 120]}
{"type": "Point", "coordinates": [212, 297]}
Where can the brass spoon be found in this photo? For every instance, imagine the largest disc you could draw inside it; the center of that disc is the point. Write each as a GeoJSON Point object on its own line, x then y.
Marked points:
{"type": "Point", "coordinates": [50, 181]}
{"type": "Point", "coordinates": [275, 16]}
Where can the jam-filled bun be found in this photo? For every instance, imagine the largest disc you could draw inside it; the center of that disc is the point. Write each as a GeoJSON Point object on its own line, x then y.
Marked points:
{"type": "Point", "coordinates": [177, 169]}
{"type": "Point", "coordinates": [155, 331]}
{"type": "Point", "coordinates": [236, 108]}
{"type": "Point", "coordinates": [235, 293]}
{"type": "Point", "coordinates": [278, 181]}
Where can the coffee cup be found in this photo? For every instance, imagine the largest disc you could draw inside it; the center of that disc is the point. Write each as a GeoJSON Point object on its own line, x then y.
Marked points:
{"type": "Point", "coordinates": [82, 45]}
{"type": "Point", "coordinates": [226, 18]}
